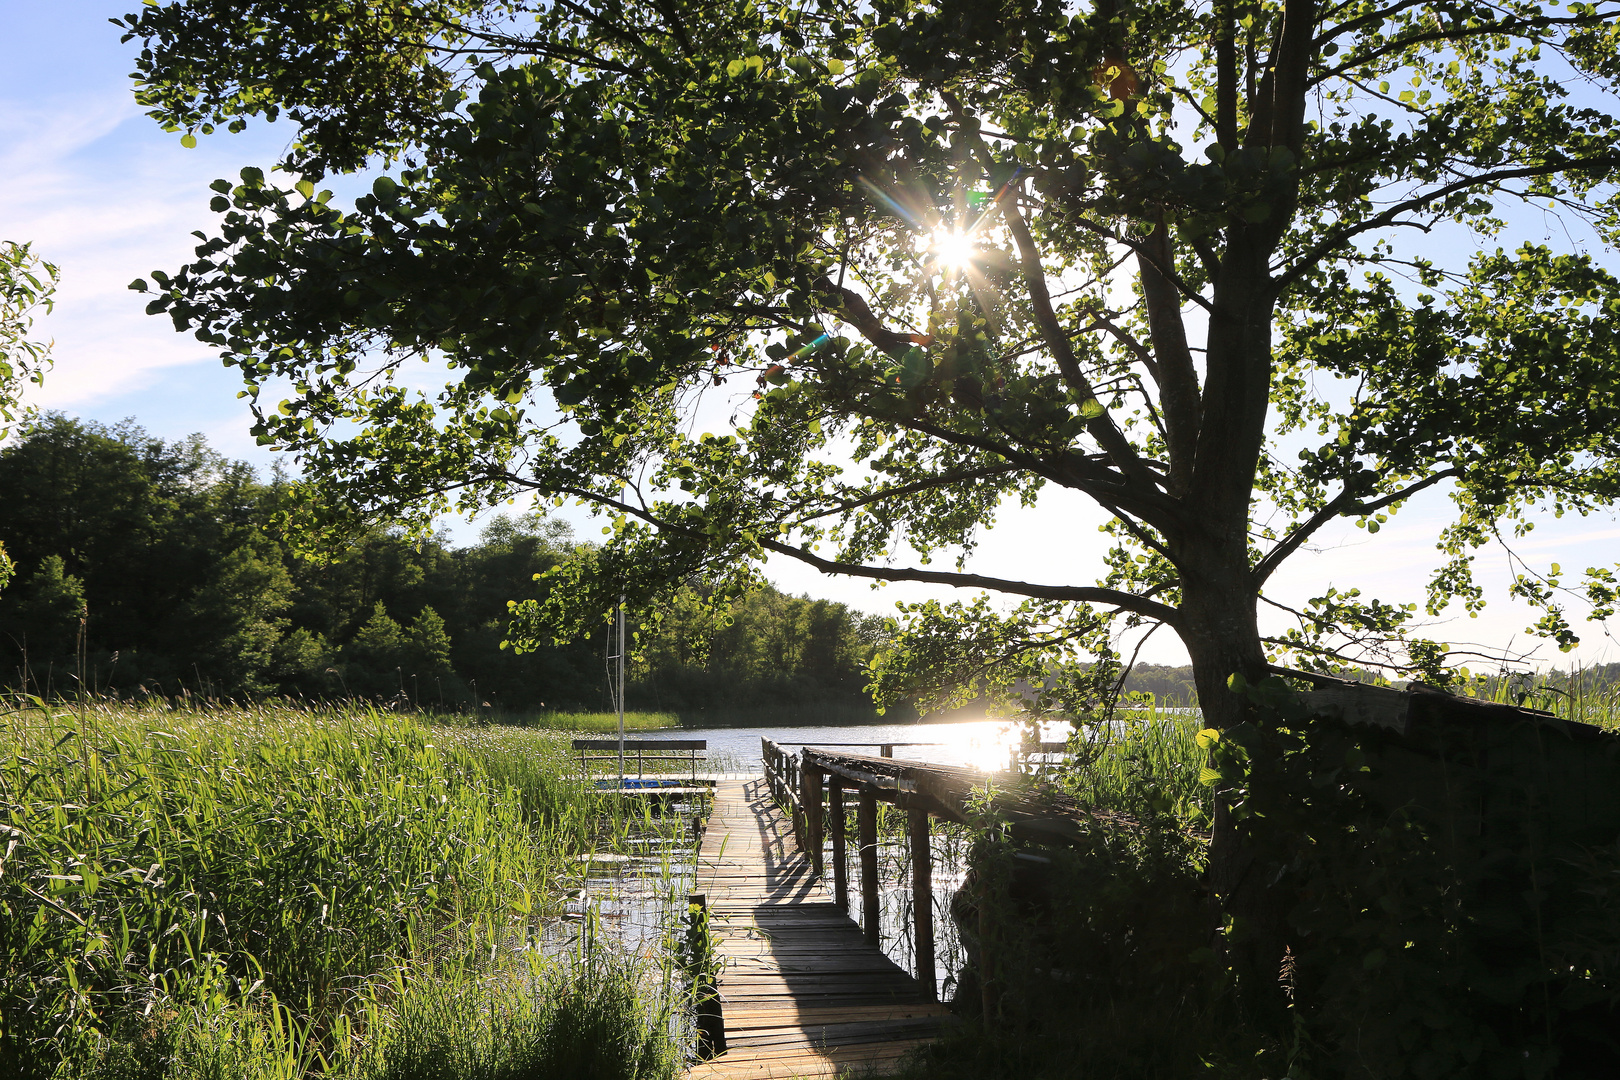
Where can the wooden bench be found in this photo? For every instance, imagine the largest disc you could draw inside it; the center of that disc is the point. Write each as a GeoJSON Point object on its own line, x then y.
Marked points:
{"type": "Point", "coordinates": [644, 750]}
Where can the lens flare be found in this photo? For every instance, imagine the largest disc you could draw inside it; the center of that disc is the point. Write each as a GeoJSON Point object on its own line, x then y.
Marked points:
{"type": "Point", "coordinates": [952, 249]}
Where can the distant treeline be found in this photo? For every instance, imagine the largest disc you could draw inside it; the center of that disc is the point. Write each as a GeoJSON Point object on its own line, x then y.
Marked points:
{"type": "Point", "coordinates": [1170, 686]}
{"type": "Point", "coordinates": [156, 567]}
{"type": "Point", "coordinates": [1173, 686]}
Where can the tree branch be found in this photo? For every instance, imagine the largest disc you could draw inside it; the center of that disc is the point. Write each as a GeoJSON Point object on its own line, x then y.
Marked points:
{"type": "Point", "coordinates": [1226, 76]}
{"type": "Point", "coordinates": [1101, 427]}
{"type": "Point", "coordinates": [1107, 487]}
{"type": "Point", "coordinates": [1339, 506]}
{"type": "Point", "coordinates": [1338, 237]}
{"type": "Point", "coordinates": [913, 488]}
{"type": "Point", "coordinates": [1176, 377]}
{"type": "Point", "coordinates": [852, 307]}
{"type": "Point", "coordinates": [1279, 113]}
{"type": "Point", "coordinates": [1374, 18]}
{"type": "Point", "coordinates": [1125, 601]}
{"type": "Point", "coordinates": [1456, 33]}
{"type": "Point", "coordinates": [1070, 593]}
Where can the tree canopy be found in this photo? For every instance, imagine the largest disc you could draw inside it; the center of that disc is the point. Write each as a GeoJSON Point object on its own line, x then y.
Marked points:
{"type": "Point", "coordinates": [1231, 270]}
{"type": "Point", "coordinates": [174, 559]}
{"type": "Point", "coordinates": [26, 283]}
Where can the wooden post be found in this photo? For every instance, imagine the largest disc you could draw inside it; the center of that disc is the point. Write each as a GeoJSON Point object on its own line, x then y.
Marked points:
{"type": "Point", "coordinates": [711, 1021]}
{"type": "Point", "coordinates": [835, 809]}
{"type": "Point", "coordinates": [866, 822]}
{"type": "Point", "coordinates": [795, 787]}
{"type": "Point", "coordinates": [922, 903]}
{"type": "Point", "coordinates": [886, 750]}
{"type": "Point", "coordinates": [810, 795]}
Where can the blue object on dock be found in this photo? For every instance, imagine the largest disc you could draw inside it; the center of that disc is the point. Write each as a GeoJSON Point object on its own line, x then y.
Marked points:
{"type": "Point", "coordinates": [633, 783]}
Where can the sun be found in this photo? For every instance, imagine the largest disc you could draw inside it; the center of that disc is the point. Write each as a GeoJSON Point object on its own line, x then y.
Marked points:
{"type": "Point", "coordinates": [952, 249]}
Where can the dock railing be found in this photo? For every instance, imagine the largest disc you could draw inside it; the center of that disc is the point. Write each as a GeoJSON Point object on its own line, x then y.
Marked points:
{"type": "Point", "coordinates": [811, 786]}
{"type": "Point", "coordinates": [657, 751]}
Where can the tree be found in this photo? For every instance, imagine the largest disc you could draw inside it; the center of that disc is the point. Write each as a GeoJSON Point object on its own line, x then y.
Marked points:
{"type": "Point", "coordinates": [1156, 254]}
{"type": "Point", "coordinates": [42, 620]}
{"type": "Point", "coordinates": [141, 522]}
{"type": "Point", "coordinates": [178, 554]}
{"type": "Point", "coordinates": [427, 645]}
{"type": "Point", "coordinates": [237, 618]}
{"type": "Point", "coordinates": [765, 650]}
{"type": "Point", "coordinates": [26, 283]}
{"type": "Point", "coordinates": [377, 655]}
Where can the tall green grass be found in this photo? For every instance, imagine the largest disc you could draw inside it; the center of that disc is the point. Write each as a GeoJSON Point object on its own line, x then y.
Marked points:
{"type": "Point", "coordinates": [1577, 695]}
{"type": "Point", "coordinates": [280, 892]}
{"type": "Point", "coordinates": [580, 722]}
{"type": "Point", "coordinates": [1145, 762]}
{"type": "Point", "coordinates": [575, 1019]}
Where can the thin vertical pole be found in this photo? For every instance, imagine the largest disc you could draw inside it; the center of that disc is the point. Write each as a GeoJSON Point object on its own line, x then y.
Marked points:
{"type": "Point", "coordinates": [835, 810]}
{"type": "Point", "coordinates": [621, 691]}
{"type": "Point", "coordinates": [810, 795]}
{"type": "Point", "coordinates": [866, 823]}
{"type": "Point", "coordinates": [922, 903]}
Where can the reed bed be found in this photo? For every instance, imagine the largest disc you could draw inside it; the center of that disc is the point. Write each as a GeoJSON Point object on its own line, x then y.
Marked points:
{"type": "Point", "coordinates": [1144, 762]}
{"type": "Point", "coordinates": [585, 723]}
{"type": "Point", "coordinates": [1575, 695]}
{"type": "Point", "coordinates": [289, 892]}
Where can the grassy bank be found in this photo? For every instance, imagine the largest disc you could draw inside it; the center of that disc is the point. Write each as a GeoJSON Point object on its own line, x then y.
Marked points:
{"type": "Point", "coordinates": [587, 723]}
{"type": "Point", "coordinates": [282, 892]}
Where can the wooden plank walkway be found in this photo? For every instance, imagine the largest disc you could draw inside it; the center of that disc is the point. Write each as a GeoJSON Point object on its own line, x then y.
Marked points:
{"type": "Point", "coordinates": [803, 995]}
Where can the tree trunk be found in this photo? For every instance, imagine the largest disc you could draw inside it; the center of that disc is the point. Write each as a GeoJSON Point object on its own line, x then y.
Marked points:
{"type": "Point", "coordinates": [1222, 636]}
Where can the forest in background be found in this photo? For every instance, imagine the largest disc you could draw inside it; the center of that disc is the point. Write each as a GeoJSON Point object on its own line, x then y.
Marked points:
{"type": "Point", "coordinates": [171, 552]}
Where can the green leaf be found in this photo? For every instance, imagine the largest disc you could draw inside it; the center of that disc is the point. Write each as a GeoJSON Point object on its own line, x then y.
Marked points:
{"type": "Point", "coordinates": [188, 140]}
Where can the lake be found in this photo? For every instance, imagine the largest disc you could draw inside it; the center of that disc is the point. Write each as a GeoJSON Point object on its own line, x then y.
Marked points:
{"type": "Point", "coordinates": [980, 744]}
{"type": "Point", "coordinates": [986, 744]}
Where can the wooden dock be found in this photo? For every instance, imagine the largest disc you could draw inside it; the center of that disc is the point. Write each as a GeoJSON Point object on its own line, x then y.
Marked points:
{"type": "Point", "coordinates": [803, 993]}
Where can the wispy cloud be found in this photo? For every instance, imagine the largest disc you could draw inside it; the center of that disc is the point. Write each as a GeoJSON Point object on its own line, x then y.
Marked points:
{"type": "Point", "coordinates": [108, 197]}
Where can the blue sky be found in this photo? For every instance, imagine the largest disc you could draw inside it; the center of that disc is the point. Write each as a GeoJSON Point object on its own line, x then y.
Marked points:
{"type": "Point", "coordinates": [106, 195]}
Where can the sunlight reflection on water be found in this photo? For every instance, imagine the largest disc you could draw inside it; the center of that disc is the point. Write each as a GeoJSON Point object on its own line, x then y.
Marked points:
{"type": "Point", "coordinates": [980, 744]}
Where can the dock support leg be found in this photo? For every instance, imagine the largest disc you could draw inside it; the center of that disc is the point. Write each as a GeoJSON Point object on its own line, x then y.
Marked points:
{"type": "Point", "coordinates": [922, 903]}
{"type": "Point", "coordinates": [795, 785]}
{"type": "Point", "coordinates": [866, 823]}
{"type": "Point", "coordinates": [810, 796]}
{"type": "Point", "coordinates": [711, 1021]}
{"type": "Point", "coordinates": [840, 856]}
